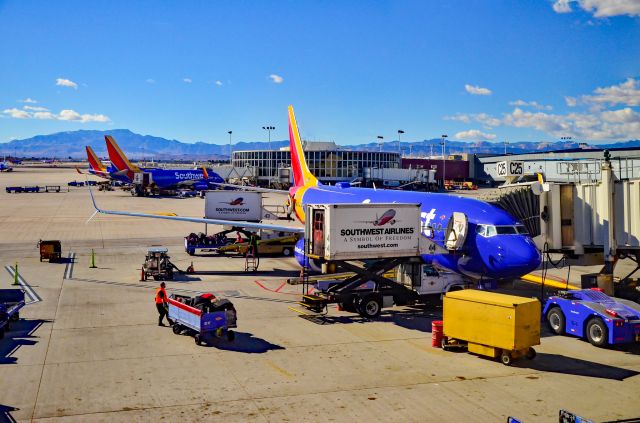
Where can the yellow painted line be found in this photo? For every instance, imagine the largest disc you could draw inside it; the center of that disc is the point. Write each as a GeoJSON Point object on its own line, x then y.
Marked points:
{"type": "Point", "coordinates": [279, 369]}
{"type": "Point", "coordinates": [548, 282]}
{"type": "Point", "coordinates": [299, 311]}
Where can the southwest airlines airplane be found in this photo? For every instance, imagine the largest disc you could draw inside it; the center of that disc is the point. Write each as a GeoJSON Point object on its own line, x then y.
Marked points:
{"type": "Point", "coordinates": [198, 179]}
{"type": "Point", "coordinates": [96, 167]}
{"type": "Point", "coordinates": [496, 247]}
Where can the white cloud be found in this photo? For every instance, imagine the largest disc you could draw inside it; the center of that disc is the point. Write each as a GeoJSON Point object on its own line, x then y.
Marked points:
{"type": "Point", "coordinates": [218, 83]}
{"type": "Point", "coordinates": [16, 113]}
{"type": "Point", "coordinates": [66, 83]}
{"type": "Point", "coordinates": [187, 80]}
{"type": "Point", "coordinates": [35, 108]}
{"type": "Point", "coordinates": [277, 79]}
{"type": "Point", "coordinates": [483, 118]}
{"type": "Point", "coordinates": [626, 93]}
{"type": "Point", "coordinates": [571, 101]}
{"type": "Point", "coordinates": [150, 81]}
{"type": "Point", "coordinates": [44, 115]}
{"type": "Point", "coordinates": [476, 90]}
{"type": "Point", "coordinates": [601, 8]}
{"type": "Point", "coordinates": [534, 104]}
{"type": "Point", "coordinates": [562, 6]}
{"type": "Point", "coordinates": [28, 100]}
{"type": "Point", "coordinates": [67, 114]}
{"type": "Point", "coordinates": [474, 134]}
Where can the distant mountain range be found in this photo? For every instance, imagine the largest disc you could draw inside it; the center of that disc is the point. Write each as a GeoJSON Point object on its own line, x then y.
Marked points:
{"type": "Point", "coordinates": [136, 146]}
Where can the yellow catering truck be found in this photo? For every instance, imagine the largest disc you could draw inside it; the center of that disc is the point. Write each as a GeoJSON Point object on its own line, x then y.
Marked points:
{"type": "Point", "coordinates": [491, 324]}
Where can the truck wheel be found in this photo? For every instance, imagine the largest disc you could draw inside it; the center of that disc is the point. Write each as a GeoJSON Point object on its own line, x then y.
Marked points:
{"type": "Point", "coordinates": [531, 354]}
{"type": "Point", "coordinates": [191, 252]}
{"type": "Point", "coordinates": [286, 252]}
{"type": "Point", "coordinates": [505, 358]}
{"type": "Point", "coordinates": [177, 329]}
{"type": "Point", "coordinates": [370, 306]}
{"type": "Point", "coordinates": [556, 320]}
{"type": "Point", "coordinates": [597, 333]}
{"type": "Point", "coordinates": [16, 316]}
{"type": "Point", "coordinates": [198, 339]}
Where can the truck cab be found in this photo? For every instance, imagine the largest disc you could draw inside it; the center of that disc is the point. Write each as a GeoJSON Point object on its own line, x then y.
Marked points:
{"type": "Point", "coordinates": [428, 282]}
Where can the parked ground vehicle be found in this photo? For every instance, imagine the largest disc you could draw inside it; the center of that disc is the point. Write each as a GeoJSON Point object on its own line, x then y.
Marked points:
{"type": "Point", "coordinates": [50, 250]}
{"type": "Point", "coordinates": [491, 324]}
{"type": "Point", "coordinates": [11, 301]}
{"type": "Point", "coordinates": [429, 283]}
{"type": "Point", "coordinates": [592, 314]}
{"type": "Point", "coordinates": [202, 315]}
{"type": "Point", "coordinates": [268, 243]}
{"type": "Point", "coordinates": [157, 265]}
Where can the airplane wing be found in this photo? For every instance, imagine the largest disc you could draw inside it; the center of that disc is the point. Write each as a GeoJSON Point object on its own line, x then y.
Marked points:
{"type": "Point", "coordinates": [250, 188]}
{"type": "Point", "coordinates": [243, 224]}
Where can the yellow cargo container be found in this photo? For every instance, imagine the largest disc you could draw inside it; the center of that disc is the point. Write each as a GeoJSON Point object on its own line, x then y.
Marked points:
{"type": "Point", "coordinates": [491, 324]}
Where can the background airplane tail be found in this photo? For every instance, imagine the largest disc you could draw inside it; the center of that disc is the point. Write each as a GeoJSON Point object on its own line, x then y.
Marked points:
{"type": "Point", "coordinates": [301, 174]}
{"type": "Point", "coordinates": [117, 157]}
{"type": "Point", "coordinates": [94, 161]}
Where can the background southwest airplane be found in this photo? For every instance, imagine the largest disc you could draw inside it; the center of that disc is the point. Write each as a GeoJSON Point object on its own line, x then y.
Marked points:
{"type": "Point", "coordinates": [96, 167]}
{"type": "Point", "coordinates": [496, 247]}
{"type": "Point", "coordinates": [198, 179]}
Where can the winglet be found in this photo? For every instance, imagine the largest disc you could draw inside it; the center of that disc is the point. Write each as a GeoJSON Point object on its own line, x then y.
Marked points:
{"type": "Point", "coordinates": [93, 200]}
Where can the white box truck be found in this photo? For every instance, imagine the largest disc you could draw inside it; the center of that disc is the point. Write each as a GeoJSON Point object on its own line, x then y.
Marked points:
{"type": "Point", "coordinates": [361, 231]}
{"type": "Point", "coordinates": [233, 205]}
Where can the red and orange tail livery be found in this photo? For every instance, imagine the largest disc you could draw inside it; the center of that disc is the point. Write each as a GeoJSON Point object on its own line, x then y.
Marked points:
{"type": "Point", "coordinates": [301, 174]}
{"type": "Point", "coordinates": [117, 157]}
{"type": "Point", "coordinates": [94, 161]}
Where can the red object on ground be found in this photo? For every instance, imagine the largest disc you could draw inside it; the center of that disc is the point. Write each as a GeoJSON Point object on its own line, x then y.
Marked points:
{"type": "Point", "coordinates": [436, 333]}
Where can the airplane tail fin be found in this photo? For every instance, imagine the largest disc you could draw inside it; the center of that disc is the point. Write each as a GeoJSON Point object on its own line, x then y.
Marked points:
{"type": "Point", "coordinates": [117, 157]}
{"type": "Point", "coordinates": [302, 176]}
{"type": "Point", "coordinates": [205, 173]}
{"type": "Point", "coordinates": [94, 161]}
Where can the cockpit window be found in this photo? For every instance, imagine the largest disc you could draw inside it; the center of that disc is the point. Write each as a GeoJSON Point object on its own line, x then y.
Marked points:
{"type": "Point", "coordinates": [493, 230]}
{"type": "Point", "coordinates": [506, 230]}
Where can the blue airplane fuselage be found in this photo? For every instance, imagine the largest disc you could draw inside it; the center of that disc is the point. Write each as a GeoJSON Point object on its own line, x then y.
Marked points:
{"type": "Point", "coordinates": [498, 256]}
{"type": "Point", "coordinates": [172, 178]}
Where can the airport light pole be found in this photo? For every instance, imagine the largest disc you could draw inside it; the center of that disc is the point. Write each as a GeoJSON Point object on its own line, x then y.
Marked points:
{"type": "Point", "coordinates": [230, 151]}
{"type": "Point", "coordinates": [380, 143]}
{"type": "Point", "coordinates": [444, 163]}
{"type": "Point", "coordinates": [269, 129]}
{"type": "Point", "coordinates": [400, 131]}
{"type": "Point", "coordinates": [506, 142]}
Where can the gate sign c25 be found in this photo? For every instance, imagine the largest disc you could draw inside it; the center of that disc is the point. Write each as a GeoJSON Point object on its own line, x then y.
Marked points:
{"type": "Point", "coordinates": [510, 168]}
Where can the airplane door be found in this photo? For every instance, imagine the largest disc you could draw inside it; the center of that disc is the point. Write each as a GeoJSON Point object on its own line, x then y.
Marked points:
{"type": "Point", "coordinates": [318, 233]}
{"type": "Point", "coordinates": [456, 231]}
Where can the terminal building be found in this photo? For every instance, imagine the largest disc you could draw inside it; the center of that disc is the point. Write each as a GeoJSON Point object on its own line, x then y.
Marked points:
{"type": "Point", "coordinates": [326, 161]}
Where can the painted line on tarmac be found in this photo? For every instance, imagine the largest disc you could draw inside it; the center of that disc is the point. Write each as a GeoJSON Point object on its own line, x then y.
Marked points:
{"type": "Point", "coordinates": [68, 270]}
{"type": "Point", "coordinates": [35, 298]}
{"type": "Point", "coordinates": [275, 291]}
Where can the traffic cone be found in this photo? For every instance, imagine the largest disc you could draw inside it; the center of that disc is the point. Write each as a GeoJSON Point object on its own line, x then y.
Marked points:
{"type": "Point", "coordinates": [142, 274]}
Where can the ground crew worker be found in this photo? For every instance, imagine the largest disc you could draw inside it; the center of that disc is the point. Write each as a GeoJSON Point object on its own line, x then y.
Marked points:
{"type": "Point", "coordinates": [238, 238]}
{"type": "Point", "coordinates": [161, 304]}
{"type": "Point", "coordinates": [253, 244]}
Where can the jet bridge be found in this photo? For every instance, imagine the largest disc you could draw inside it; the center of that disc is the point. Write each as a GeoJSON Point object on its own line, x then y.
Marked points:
{"type": "Point", "coordinates": [589, 221]}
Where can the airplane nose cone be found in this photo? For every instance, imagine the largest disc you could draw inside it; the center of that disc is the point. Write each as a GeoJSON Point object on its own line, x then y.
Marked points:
{"type": "Point", "coordinates": [520, 256]}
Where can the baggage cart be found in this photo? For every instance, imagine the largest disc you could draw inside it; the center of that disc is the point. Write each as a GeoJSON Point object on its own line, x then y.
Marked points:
{"type": "Point", "coordinates": [491, 324]}
{"type": "Point", "coordinates": [11, 301]}
{"type": "Point", "coordinates": [216, 319]}
{"type": "Point", "coordinates": [50, 250]}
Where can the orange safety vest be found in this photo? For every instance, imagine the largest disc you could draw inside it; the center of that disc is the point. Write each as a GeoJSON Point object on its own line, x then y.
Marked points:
{"type": "Point", "coordinates": [161, 298]}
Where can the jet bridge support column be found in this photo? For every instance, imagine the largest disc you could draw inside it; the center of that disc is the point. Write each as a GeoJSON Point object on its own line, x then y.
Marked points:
{"type": "Point", "coordinates": [609, 216]}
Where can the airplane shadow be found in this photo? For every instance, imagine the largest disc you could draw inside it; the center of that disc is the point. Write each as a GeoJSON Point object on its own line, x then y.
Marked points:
{"type": "Point", "coordinates": [557, 363]}
{"type": "Point", "coordinates": [415, 319]}
{"type": "Point", "coordinates": [5, 414]}
{"type": "Point", "coordinates": [244, 343]}
{"type": "Point", "coordinates": [21, 334]}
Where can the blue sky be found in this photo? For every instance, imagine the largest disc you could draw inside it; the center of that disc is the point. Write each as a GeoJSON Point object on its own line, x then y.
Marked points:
{"type": "Point", "coordinates": [486, 69]}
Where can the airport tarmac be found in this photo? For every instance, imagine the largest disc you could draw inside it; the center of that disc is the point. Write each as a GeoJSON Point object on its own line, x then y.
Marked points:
{"type": "Point", "coordinates": [91, 350]}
